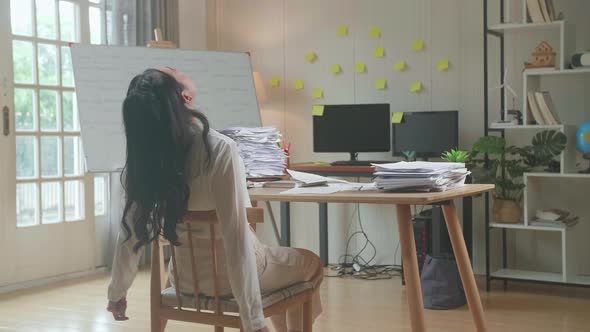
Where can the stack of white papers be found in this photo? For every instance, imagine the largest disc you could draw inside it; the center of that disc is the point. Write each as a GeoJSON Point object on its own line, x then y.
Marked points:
{"type": "Point", "coordinates": [259, 148]}
{"type": "Point", "coordinates": [420, 176]}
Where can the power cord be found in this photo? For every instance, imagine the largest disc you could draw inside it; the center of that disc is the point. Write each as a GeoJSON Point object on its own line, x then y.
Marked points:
{"type": "Point", "coordinates": [358, 267]}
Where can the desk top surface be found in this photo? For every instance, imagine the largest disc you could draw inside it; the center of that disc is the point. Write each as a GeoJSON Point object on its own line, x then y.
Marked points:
{"type": "Point", "coordinates": [327, 168]}
{"type": "Point", "coordinates": [370, 197]}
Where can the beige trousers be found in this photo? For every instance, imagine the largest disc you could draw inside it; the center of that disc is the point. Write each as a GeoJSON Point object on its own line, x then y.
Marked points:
{"type": "Point", "coordinates": [286, 266]}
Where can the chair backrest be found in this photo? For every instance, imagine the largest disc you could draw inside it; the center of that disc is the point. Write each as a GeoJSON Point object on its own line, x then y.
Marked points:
{"type": "Point", "coordinates": [192, 218]}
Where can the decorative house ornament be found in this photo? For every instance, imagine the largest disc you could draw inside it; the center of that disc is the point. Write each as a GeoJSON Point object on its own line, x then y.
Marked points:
{"type": "Point", "coordinates": [543, 56]}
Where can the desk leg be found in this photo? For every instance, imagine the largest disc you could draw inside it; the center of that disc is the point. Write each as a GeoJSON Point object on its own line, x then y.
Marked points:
{"type": "Point", "coordinates": [464, 266]}
{"type": "Point", "coordinates": [324, 233]}
{"type": "Point", "coordinates": [285, 224]}
{"type": "Point", "coordinates": [411, 273]}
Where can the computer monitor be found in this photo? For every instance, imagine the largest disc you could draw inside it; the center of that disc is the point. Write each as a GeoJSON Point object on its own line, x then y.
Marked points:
{"type": "Point", "coordinates": [352, 129]}
{"type": "Point", "coordinates": [428, 134]}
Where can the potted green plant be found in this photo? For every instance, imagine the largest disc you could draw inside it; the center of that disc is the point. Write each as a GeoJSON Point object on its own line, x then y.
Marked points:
{"type": "Point", "coordinates": [456, 156]}
{"type": "Point", "coordinates": [504, 166]}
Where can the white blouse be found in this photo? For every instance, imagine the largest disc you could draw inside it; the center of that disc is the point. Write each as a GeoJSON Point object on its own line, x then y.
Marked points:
{"type": "Point", "coordinates": [222, 187]}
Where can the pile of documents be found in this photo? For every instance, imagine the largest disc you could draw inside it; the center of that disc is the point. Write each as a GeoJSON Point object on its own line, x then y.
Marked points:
{"type": "Point", "coordinates": [554, 218]}
{"type": "Point", "coordinates": [420, 176]}
{"type": "Point", "coordinates": [259, 148]}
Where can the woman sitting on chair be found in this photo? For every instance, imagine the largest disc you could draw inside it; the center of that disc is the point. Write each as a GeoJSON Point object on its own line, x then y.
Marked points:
{"type": "Point", "coordinates": [175, 163]}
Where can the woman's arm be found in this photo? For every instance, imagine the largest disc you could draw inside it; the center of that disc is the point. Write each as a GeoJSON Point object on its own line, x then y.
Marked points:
{"type": "Point", "coordinates": [125, 265]}
{"type": "Point", "coordinates": [231, 197]}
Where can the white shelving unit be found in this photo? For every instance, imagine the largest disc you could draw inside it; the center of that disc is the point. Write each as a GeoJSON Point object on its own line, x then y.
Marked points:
{"type": "Point", "coordinates": [550, 190]}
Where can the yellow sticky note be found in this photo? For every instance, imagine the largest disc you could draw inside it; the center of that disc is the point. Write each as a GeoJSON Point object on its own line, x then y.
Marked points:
{"type": "Point", "coordinates": [310, 57]}
{"type": "Point", "coordinates": [318, 93]}
{"type": "Point", "coordinates": [317, 110]}
{"type": "Point", "coordinates": [416, 86]}
{"type": "Point", "coordinates": [442, 64]}
{"type": "Point", "coordinates": [378, 52]}
{"type": "Point", "coordinates": [397, 117]}
{"type": "Point", "coordinates": [275, 82]}
{"type": "Point", "coordinates": [335, 69]}
{"type": "Point", "coordinates": [375, 32]}
{"type": "Point", "coordinates": [298, 84]}
{"type": "Point", "coordinates": [380, 84]}
{"type": "Point", "coordinates": [418, 45]}
{"type": "Point", "coordinates": [342, 31]}
{"type": "Point", "coordinates": [399, 66]}
{"type": "Point", "coordinates": [360, 67]}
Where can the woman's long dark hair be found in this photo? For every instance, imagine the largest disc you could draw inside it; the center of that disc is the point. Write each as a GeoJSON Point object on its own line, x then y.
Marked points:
{"type": "Point", "coordinates": [160, 133]}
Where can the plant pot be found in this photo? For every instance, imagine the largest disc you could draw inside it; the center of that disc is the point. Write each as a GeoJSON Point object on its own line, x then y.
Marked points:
{"type": "Point", "coordinates": [507, 211]}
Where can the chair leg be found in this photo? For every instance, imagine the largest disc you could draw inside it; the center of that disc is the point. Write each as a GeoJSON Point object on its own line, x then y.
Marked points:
{"type": "Point", "coordinates": [163, 324]}
{"type": "Point", "coordinates": [307, 316]}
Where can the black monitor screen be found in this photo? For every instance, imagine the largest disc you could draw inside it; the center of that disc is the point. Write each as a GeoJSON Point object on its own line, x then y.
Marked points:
{"type": "Point", "coordinates": [352, 128]}
{"type": "Point", "coordinates": [427, 133]}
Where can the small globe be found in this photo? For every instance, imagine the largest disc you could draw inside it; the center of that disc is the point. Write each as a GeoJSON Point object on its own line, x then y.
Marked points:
{"type": "Point", "coordinates": [583, 138]}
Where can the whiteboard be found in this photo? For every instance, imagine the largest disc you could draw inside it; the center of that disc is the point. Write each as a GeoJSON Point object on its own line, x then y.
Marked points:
{"type": "Point", "coordinates": [225, 92]}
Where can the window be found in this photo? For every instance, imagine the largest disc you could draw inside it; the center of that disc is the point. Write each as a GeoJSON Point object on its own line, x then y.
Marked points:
{"type": "Point", "coordinates": [100, 194]}
{"type": "Point", "coordinates": [49, 165]}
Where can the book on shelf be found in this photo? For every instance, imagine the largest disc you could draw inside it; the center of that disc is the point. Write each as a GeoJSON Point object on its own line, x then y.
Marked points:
{"type": "Point", "coordinates": [541, 11]}
{"type": "Point", "coordinates": [534, 11]}
{"type": "Point", "coordinates": [533, 109]}
{"type": "Point", "coordinates": [547, 107]}
{"type": "Point", "coordinates": [545, 11]}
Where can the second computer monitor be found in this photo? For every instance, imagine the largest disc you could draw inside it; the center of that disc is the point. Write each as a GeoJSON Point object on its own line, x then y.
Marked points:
{"type": "Point", "coordinates": [427, 133]}
{"type": "Point", "coordinates": [352, 128]}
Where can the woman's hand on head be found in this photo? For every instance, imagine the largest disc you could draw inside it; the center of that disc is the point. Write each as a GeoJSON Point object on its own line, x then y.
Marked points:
{"type": "Point", "coordinates": [118, 309]}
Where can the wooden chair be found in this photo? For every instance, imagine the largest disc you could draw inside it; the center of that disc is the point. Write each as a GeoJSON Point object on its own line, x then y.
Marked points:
{"type": "Point", "coordinates": [171, 304]}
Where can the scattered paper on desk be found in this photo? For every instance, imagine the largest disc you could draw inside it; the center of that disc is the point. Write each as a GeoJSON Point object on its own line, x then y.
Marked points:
{"type": "Point", "coordinates": [342, 31]}
{"type": "Point", "coordinates": [360, 67]}
{"type": "Point", "coordinates": [318, 93]}
{"type": "Point", "coordinates": [418, 45]}
{"type": "Point", "coordinates": [311, 190]}
{"type": "Point", "coordinates": [397, 117]}
{"type": "Point", "coordinates": [380, 84]}
{"type": "Point", "coordinates": [335, 69]}
{"type": "Point", "coordinates": [416, 86]}
{"type": "Point", "coordinates": [275, 82]}
{"type": "Point", "coordinates": [298, 84]}
{"type": "Point", "coordinates": [375, 32]}
{"type": "Point", "coordinates": [308, 177]}
{"type": "Point", "coordinates": [378, 52]}
{"type": "Point", "coordinates": [310, 57]}
{"type": "Point", "coordinates": [317, 110]}
{"type": "Point", "coordinates": [399, 66]}
{"type": "Point", "coordinates": [442, 64]}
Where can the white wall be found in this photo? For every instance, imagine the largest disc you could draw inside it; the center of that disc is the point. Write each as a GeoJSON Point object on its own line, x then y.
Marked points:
{"type": "Point", "coordinates": [279, 34]}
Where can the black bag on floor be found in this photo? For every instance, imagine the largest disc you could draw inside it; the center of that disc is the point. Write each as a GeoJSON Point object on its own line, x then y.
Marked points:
{"type": "Point", "coordinates": [441, 283]}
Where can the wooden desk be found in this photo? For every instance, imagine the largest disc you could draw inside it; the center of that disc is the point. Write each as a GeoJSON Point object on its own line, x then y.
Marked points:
{"type": "Point", "coordinates": [439, 230]}
{"type": "Point", "coordinates": [406, 233]}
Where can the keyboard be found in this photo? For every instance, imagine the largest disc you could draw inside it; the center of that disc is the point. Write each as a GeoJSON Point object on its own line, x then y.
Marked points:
{"type": "Point", "coordinates": [360, 162]}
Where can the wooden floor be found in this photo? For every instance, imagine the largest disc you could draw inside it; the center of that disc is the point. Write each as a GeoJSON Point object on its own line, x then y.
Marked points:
{"type": "Point", "coordinates": [349, 305]}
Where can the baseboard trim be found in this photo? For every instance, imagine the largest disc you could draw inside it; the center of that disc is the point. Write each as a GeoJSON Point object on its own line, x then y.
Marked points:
{"type": "Point", "coordinates": [49, 280]}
